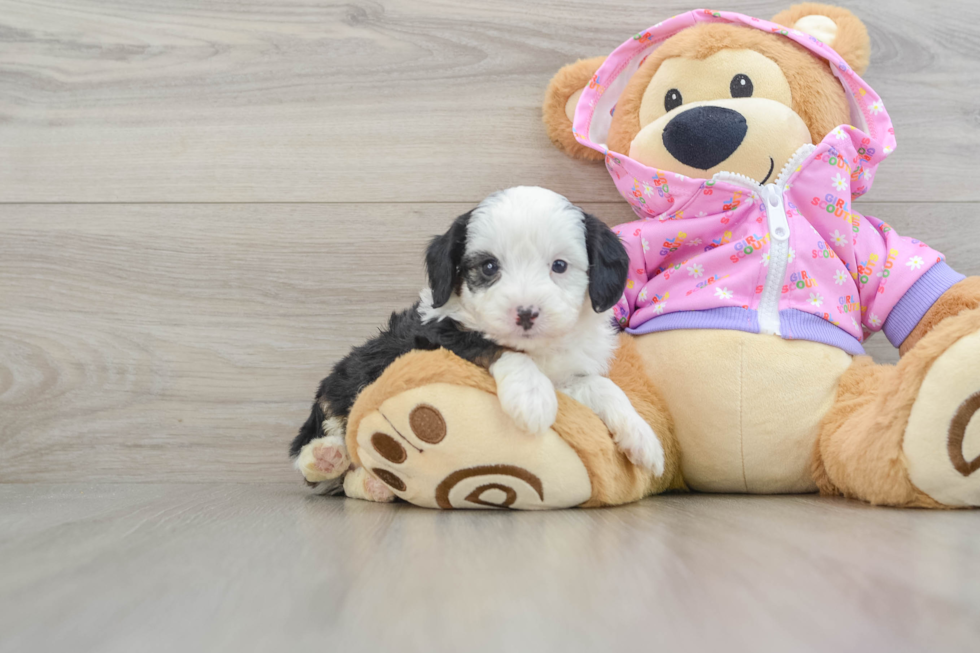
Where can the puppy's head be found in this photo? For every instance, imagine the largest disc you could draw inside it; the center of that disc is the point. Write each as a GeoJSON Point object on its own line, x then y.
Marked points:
{"type": "Point", "coordinates": [524, 267]}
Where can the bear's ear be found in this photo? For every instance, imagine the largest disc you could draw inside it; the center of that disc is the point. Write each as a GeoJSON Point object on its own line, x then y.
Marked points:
{"type": "Point", "coordinates": [835, 26]}
{"type": "Point", "coordinates": [560, 100]}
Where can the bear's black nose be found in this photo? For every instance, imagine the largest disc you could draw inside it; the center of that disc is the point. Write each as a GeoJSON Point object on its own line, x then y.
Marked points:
{"type": "Point", "coordinates": [703, 137]}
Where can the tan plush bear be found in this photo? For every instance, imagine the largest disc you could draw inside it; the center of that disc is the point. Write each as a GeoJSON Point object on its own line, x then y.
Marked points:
{"type": "Point", "coordinates": [740, 143]}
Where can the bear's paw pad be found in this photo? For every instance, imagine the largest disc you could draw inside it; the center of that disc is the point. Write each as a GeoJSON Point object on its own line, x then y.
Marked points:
{"type": "Point", "coordinates": [942, 438]}
{"type": "Point", "coordinates": [447, 446]}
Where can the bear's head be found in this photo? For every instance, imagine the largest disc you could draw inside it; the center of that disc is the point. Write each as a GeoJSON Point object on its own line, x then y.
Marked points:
{"type": "Point", "coordinates": [719, 96]}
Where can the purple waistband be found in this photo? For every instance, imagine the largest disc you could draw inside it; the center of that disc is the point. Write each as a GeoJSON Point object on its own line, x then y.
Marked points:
{"type": "Point", "coordinates": [726, 317]}
{"type": "Point", "coordinates": [799, 325]}
{"type": "Point", "coordinates": [794, 324]}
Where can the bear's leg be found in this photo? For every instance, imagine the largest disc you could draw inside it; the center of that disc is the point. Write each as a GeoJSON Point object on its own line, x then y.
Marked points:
{"type": "Point", "coordinates": [432, 429]}
{"type": "Point", "coordinates": [908, 435]}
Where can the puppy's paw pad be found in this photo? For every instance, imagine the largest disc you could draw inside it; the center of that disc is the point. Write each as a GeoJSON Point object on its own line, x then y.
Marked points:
{"type": "Point", "coordinates": [323, 459]}
{"type": "Point", "coordinates": [329, 458]}
{"type": "Point", "coordinates": [358, 484]}
{"type": "Point", "coordinates": [378, 491]}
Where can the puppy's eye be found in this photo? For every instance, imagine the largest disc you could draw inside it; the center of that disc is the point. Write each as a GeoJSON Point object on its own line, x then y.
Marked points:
{"type": "Point", "coordinates": [559, 266]}
{"type": "Point", "coordinates": [673, 100]}
{"type": "Point", "coordinates": [490, 268]}
{"type": "Point", "coordinates": [741, 86]}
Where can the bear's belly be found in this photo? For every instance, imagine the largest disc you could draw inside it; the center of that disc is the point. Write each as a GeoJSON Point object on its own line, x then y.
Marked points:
{"type": "Point", "coordinates": [747, 407]}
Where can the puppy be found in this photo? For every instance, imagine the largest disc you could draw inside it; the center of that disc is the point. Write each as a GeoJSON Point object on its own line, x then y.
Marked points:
{"type": "Point", "coordinates": [523, 284]}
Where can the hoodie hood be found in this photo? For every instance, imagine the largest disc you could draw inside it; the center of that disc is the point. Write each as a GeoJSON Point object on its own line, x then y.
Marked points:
{"type": "Point", "coordinates": [871, 128]}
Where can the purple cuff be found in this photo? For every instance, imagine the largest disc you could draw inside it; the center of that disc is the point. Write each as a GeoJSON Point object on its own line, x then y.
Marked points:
{"type": "Point", "coordinates": [918, 300]}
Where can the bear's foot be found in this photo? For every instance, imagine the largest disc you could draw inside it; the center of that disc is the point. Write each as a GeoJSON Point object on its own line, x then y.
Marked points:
{"type": "Point", "coordinates": [452, 446]}
{"type": "Point", "coordinates": [907, 435]}
{"type": "Point", "coordinates": [942, 438]}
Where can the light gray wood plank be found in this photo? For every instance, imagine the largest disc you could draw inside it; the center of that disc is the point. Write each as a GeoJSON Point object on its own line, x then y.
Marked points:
{"type": "Point", "coordinates": [263, 567]}
{"type": "Point", "coordinates": [307, 100]}
{"type": "Point", "coordinates": [184, 342]}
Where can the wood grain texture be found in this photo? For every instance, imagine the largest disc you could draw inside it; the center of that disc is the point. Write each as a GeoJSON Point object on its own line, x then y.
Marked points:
{"type": "Point", "coordinates": [307, 100]}
{"type": "Point", "coordinates": [204, 204]}
{"type": "Point", "coordinates": [261, 567]}
{"type": "Point", "coordinates": [184, 342]}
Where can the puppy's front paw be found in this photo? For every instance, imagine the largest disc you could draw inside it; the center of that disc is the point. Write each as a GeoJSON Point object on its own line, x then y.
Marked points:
{"type": "Point", "coordinates": [323, 459]}
{"type": "Point", "coordinates": [637, 440]}
{"type": "Point", "coordinates": [358, 484]}
{"type": "Point", "coordinates": [533, 406]}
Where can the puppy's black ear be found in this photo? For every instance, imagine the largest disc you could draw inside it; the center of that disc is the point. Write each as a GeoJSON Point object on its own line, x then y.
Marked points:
{"type": "Point", "coordinates": [608, 264]}
{"type": "Point", "coordinates": [443, 258]}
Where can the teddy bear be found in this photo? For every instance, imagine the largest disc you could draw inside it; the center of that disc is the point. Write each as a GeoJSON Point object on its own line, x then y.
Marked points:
{"type": "Point", "coordinates": [740, 144]}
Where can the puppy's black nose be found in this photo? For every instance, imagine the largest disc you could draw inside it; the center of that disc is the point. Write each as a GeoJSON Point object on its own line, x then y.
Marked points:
{"type": "Point", "coordinates": [703, 137]}
{"type": "Point", "coordinates": [526, 317]}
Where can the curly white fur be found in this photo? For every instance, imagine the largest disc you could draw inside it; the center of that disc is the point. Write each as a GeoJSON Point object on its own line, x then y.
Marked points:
{"type": "Point", "coordinates": [569, 345]}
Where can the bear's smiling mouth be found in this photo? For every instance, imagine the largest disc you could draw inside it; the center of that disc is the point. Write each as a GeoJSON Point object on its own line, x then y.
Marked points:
{"type": "Point", "coordinates": [772, 166]}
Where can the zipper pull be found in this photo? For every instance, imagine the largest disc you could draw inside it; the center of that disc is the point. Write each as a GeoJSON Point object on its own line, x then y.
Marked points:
{"type": "Point", "coordinates": [776, 212]}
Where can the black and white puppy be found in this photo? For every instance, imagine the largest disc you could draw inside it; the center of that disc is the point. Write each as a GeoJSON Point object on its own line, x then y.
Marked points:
{"type": "Point", "coordinates": [523, 284]}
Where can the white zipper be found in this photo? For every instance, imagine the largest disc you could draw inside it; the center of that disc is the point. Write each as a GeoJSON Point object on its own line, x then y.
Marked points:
{"type": "Point", "coordinates": [778, 260]}
{"type": "Point", "coordinates": [771, 196]}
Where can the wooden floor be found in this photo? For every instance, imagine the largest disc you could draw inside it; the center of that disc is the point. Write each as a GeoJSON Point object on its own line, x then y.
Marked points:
{"type": "Point", "coordinates": [203, 204]}
{"type": "Point", "coordinates": [253, 567]}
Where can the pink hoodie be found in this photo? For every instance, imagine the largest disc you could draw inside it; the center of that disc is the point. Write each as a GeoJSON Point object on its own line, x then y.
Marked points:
{"type": "Point", "coordinates": [791, 258]}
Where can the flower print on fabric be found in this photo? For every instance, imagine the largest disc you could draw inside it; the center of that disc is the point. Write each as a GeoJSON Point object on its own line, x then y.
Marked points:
{"type": "Point", "coordinates": [701, 252]}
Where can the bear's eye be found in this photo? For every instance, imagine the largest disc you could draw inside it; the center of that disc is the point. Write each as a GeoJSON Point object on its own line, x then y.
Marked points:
{"type": "Point", "coordinates": [741, 86]}
{"type": "Point", "coordinates": [673, 100]}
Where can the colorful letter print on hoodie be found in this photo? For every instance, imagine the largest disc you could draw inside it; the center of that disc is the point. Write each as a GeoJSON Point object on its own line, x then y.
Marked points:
{"type": "Point", "coordinates": [791, 258]}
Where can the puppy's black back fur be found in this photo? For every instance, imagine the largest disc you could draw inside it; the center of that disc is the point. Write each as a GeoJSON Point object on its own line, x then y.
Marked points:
{"type": "Point", "coordinates": [364, 364]}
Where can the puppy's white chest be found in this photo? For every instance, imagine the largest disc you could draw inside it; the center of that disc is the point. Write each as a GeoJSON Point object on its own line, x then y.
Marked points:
{"type": "Point", "coordinates": [560, 367]}
{"type": "Point", "coordinates": [581, 356]}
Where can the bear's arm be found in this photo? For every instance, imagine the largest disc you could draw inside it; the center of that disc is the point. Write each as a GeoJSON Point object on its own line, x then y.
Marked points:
{"type": "Point", "coordinates": [899, 278]}
{"type": "Point", "coordinates": [962, 296]}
